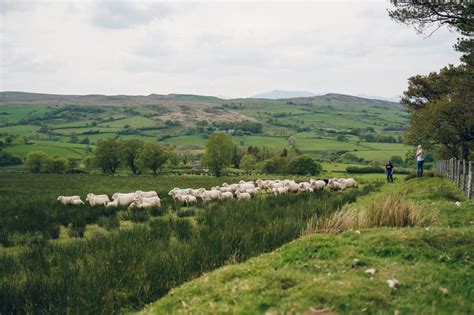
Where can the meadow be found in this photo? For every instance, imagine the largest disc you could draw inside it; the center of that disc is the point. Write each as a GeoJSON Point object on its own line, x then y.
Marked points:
{"type": "Point", "coordinates": [134, 263]}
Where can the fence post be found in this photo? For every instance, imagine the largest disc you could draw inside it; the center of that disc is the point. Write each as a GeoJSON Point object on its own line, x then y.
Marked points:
{"type": "Point", "coordinates": [463, 180]}
{"type": "Point", "coordinates": [469, 181]}
{"type": "Point", "coordinates": [458, 173]}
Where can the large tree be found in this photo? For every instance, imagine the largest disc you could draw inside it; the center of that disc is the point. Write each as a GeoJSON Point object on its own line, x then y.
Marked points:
{"type": "Point", "coordinates": [129, 150]}
{"type": "Point", "coordinates": [441, 103]}
{"type": "Point", "coordinates": [218, 153]}
{"type": "Point", "coordinates": [152, 156]}
{"type": "Point", "coordinates": [107, 155]}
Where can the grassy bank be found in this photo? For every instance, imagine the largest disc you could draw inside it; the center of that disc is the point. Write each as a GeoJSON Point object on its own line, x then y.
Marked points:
{"type": "Point", "coordinates": [325, 272]}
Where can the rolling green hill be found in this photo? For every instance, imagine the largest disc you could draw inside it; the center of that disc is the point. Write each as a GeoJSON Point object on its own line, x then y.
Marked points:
{"type": "Point", "coordinates": [318, 125]}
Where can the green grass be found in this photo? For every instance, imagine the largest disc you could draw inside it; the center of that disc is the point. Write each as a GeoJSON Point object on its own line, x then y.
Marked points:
{"type": "Point", "coordinates": [317, 272]}
{"type": "Point", "coordinates": [20, 130]}
{"type": "Point", "coordinates": [52, 148]}
{"type": "Point", "coordinates": [16, 113]}
{"type": "Point", "coordinates": [134, 122]}
{"type": "Point", "coordinates": [108, 271]}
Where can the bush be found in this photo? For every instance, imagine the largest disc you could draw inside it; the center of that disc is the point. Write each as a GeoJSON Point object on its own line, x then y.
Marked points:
{"type": "Point", "coordinates": [184, 229]}
{"type": "Point", "coordinates": [6, 158]}
{"type": "Point", "coordinates": [157, 211]}
{"type": "Point", "coordinates": [54, 165]}
{"type": "Point", "coordinates": [35, 161]}
{"type": "Point", "coordinates": [276, 165]}
{"type": "Point", "coordinates": [304, 165]}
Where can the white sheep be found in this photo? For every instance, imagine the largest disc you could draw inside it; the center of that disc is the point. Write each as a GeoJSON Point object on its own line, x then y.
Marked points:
{"type": "Point", "coordinates": [151, 202]}
{"type": "Point", "coordinates": [317, 184]}
{"type": "Point", "coordinates": [69, 200]}
{"type": "Point", "coordinates": [95, 200]}
{"type": "Point", "coordinates": [210, 195]}
{"type": "Point", "coordinates": [292, 186]}
{"type": "Point", "coordinates": [280, 190]}
{"type": "Point", "coordinates": [334, 185]}
{"type": "Point", "coordinates": [348, 183]}
{"type": "Point", "coordinates": [227, 195]}
{"type": "Point", "coordinates": [305, 187]}
{"type": "Point", "coordinates": [242, 195]}
{"type": "Point", "coordinates": [186, 199]}
{"type": "Point", "coordinates": [146, 194]}
{"type": "Point", "coordinates": [112, 204]}
{"type": "Point", "coordinates": [124, 199]}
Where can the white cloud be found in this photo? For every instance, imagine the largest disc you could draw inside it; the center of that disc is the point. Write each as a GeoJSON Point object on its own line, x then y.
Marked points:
{"type": "Point", "coordinates": [235, 49]}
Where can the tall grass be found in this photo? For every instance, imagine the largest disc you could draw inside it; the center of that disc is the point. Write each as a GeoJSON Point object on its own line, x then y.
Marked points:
{"type": "Point", "coordinates": [393, 210]}
{"type": "Point", "coordinates": [128, 268]}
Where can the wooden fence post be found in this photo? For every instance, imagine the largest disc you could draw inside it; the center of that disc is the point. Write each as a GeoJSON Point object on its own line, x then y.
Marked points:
{"type": "Point", "coordinates": [469, 180]}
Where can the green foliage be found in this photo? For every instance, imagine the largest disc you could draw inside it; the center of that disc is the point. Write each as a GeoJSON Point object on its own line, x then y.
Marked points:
{"type": "Point", "coordinates": [107, 155]}
{"type": "Point", "coordinates": [396, 160]}
{"type": "Point", "coordinates": [89, 163]}
{"type": "Point", "coordinates": [248, 163]}
{"type": "Point", "coordinates": [304, 165]}
{"type": "Point", "coordinates": [54, 165]}
{"type": "Point", "coordinates": [6, 158]}
{"type": "Point", "coordinates": [109, 222]}
{"type": "Point", "coordinates": [218, 153]}
{"type": "Point", "coordinates": [35, 161]}
{"type": "Point", "coordinates": [152, 156]}
{"type": "Point", "coordinates": [275, 165]}
{"type": "Point", "coordinates": [129, 150]}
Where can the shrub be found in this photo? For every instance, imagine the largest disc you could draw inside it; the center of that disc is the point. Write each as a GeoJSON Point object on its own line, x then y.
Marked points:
{"type": "Point", "coordinates": [157, 211]}
{"type": "Point", "coordinates": [183, 229]}
{"type": "Point", "coordinates": [35, 161]}
{"type": "Point", "coordinates": [304, 165]}
{"type": "Point", "coordinates": [6, 158]}
{"type": "Point", "coordinates": [54, 165]}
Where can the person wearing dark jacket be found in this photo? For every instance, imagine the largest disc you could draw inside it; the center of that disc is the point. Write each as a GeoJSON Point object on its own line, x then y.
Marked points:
{"type": "Point", "coordinates": [389, 171]}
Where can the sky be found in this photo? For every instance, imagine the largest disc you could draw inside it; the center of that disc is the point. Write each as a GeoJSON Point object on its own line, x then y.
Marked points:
{"type": "Point", "coordinates": [233, 49]}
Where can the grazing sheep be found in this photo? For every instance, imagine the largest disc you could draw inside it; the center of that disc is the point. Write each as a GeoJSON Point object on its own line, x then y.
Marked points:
{"type": "Point", "coordinates": [227, 195]}
{"type": "Point", "coordinates": [95, 200]}
{"type": "Point", "coordinates": [178, 191]}
{"type": "Point", "coordinates": [305, 187]}
{"type": "Point", "coordinates": [242, 195]}
{"type": "Point", "coordinates": [146, 194]}
{"type": "Point", "coordinates": [348, 183]}
{"type": "Point", "coordinates": [280, 190]}
{"type": "Point", "coordinates": [112, 204]}
{"type": "Point", "coordinates": [317, 184]}
{"type": "Point", "coordinates": [190, 199]}
{"type": "Point", "coordinates": [69, 200]}
{"type": "Point", "coordinates": [150, 202]}
{"type": "Point", "coordinates": [245, 186]}
{"type": "Point", "coordinates": [210, 195]}
{"type": "Point", "coordinates": [292, 186]}
{"type": "Point", "coordinates": [124, 199]}
{"type": "Point", "coordinates": [334, 185]}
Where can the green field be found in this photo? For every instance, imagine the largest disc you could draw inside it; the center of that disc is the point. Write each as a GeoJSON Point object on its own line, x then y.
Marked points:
{"type": "Point", "coordinates": [50, 117]}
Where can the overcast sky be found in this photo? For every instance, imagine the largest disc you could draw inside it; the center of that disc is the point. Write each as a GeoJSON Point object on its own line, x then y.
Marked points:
{"type": "Point", "coordinates": [212, 48]}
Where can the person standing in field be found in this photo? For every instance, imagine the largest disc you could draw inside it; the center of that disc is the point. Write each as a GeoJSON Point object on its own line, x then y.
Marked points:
{"type": "Point", "coordinates": [389, 171]}
{"type": "Point", "coordinates": [420, 159]}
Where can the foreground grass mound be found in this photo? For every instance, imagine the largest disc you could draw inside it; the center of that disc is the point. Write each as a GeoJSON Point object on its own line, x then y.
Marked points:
{"type": "Point", "coordinates": [330, 272]}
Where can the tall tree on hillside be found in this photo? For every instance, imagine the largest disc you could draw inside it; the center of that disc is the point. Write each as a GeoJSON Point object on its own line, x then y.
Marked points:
{"type": "Point", "coordinates": [152, 156]}
{"type": "Point", "coordinates": [35, 161]}
{"type": "Point", "coordinates": [129, 150]}
{"type": "Point", "coordinates": [236, 156]}
{"type": "Point", "coordinates": [442, 103]}
{"type": "Point", "coordinates": [107, 155]}
{"type": "Point", "coordinates": [218, 153]}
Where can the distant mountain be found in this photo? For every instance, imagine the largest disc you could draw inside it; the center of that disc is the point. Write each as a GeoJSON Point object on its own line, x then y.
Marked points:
{"type": "Point", "coordinates": [336, 99]}
{"type": "Point", "coordinates": [280, 94]}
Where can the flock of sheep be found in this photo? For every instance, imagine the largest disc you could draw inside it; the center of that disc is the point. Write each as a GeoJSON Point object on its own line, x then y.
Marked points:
{"type": "Point", "coordinates": [244, 190]}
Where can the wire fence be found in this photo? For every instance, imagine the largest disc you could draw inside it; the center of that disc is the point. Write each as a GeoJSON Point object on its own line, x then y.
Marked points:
{"type": "Point", "coordinates": [458, 171]}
